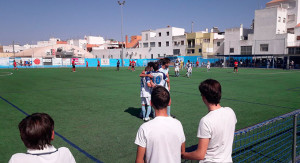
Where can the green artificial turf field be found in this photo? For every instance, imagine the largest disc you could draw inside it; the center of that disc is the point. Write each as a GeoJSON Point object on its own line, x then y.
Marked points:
{"type": "Point", "coordinates": [98, 110]}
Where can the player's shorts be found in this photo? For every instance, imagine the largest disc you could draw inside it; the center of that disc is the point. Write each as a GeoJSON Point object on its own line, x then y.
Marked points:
{"type": "Point", "coordinates": [208, 67]}
{"type": "Point", "coordinates": [132, 66]}
{"type": "Point", "coordinates": [98, 65]}
{"type": "Point", "coordinates": [177, 69]}
{"type": "Point", "coordinates": [189, 70]}
{"type": "Point", "coordinates": [235, 68]}
{"type": "Point", "coordinates": [118, 65]}
{"type": "Point", "coordinates": [145, 101]}
{"type": "Point", "coordinates": [73, 66]}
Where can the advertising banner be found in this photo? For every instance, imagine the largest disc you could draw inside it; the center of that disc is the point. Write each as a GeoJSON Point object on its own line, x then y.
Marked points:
{"type": "Point", "coordinates": [105, 62]}
{"type": "Point", "coordinates": [79, 61]}
{"type": "Point", "coordinates": [4, 61]}
{"type": "Point", "coordinates": [66, 61]}
{"type": "Point", "coordinates": [47, 61]}
{"type": "Point", "coordinates": [56, 61]}
{"type": "Point", "coordinates": [37, 62]}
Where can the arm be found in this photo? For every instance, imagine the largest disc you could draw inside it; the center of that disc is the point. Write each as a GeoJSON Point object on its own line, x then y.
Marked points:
{"type": "Point", "coordinates": [198, 154]}
{"type": "Point", "coordinates": [168, 82]}
{"type": "Point", "coordinates": [183, 148]}
{"type": "Point", "coordinates": [140, 154]}
{"type": "Point", "coordinates": [143, 74]}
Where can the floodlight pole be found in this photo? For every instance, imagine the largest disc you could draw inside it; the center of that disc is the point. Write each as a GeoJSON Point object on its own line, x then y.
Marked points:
{"type": "Point", "coordinates": [122, 4]}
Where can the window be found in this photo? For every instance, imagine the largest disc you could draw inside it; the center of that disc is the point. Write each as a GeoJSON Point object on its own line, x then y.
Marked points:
{"type": "Point", "coordinates": [146, 36]}
{"type": "Point", "coordinates": [152, 44]}
{"type": "Point", "coordinates": [246, 50]}
{"type": "Point", "coordinates": [151, 56]}
{"type": "Point", "coordinates": [200, 50]}
{"type": "Point", "coordinates": [206, 40]}
{"type": "Point", "coordinates": [159, 34]}
{"type": "Point", "coordinates": [279, 19]}
{"type": "Point", "coordinates": [167, 43]}
{"type": "Point", "coordinates": [111, 56]}
{"type": "Point", "coordinates": [103, 56]}
{"type": "Point", "coordinates": [168, 33]}
{"type": "Point", "coordinates": [231, 50]}
{"type": "Point", "coordinates": [218, 43]}
{"type": "Point", "coordinates": [145, 45]}
{"type": "Point", "coordinates": [191, 51]}
{"type": "Point", "coordinates": [283, 20]}
{"type": "Point", "coordinates": [176, 51]}
{"type": "Point", "coordinates": [159, 44]}
{"type": "Point", "coordinates": [264, 47]}
{"type": "Point", "coordinates": [182, 42]}
{"type": "Point", "coordinates": [298, 37]}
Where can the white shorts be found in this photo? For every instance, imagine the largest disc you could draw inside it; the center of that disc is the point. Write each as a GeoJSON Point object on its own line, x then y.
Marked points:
{"type": "Point", "coordinates": [208, 67]}
{"type": "Point", "coordinates": [145, 101]}
{"type": "Point", "coordinates": [190, 70]}
{"type": "Point", "coordinates": [177, 69]}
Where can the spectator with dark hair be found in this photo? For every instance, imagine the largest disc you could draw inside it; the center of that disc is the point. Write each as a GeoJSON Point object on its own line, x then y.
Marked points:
{"type": "Point", "coordinates": [37, 132]}
{"type": "Point", "coordinates": [216, 129]}
{"type": "Point", "coordinates": [162, 139]}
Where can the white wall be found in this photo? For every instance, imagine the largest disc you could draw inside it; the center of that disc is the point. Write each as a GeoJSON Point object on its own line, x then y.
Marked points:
{"type": "Point", "coordinates": [95, 40]}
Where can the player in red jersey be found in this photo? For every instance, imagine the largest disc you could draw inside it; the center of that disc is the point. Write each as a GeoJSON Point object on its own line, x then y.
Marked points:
{"type": "Point", "coordinates": [98, 66]}
{"type": "Point", "coordinates": [235, 69]}
{"type": "Point", "coordinates": [87, 64]}
{"type": "Point", "coordinates": [197, 63]}
{"type": "Point", "coordinates": [73, 66]}
{"type": "Point", "coordinates": [129, 64]}
{"type": "Point", "coordinates": [133, 65]}
{"type": "Point", "coordinates": [15, 65]}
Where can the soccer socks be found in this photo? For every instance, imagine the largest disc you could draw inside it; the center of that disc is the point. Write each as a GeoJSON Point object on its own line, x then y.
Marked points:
{"type": "Point", "coordinates": [143, 111]}
{"type": "Point", "coordinates": [169, 110]}
{"type": "Point", "coordinates": [148, 111]}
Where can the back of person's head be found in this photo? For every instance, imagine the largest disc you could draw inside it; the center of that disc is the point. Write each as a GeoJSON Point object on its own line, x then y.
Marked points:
{"type": "Point", "coordinates": [155, 66]}
{"type": "Point", "coordinates": [160, 97]}
{"type": "Point", "coordinates": [150, 64]}
{"type": "Point", "coordinates": [147, 68]}
{"type": "Point", "coordinates": [211, 90]}
{"type": "Point", "coordinates": [36, 130]}
{"type": "Point", "coordinates": [165, 61]}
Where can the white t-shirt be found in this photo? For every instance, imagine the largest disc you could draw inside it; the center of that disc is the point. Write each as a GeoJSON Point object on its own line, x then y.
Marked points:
{"type": "Point", "coordinates": [162, 137]}
{"type": "Point", "coordinates": [219, 127]}
{"type": "Point", "coordinates": [48, 155]}
{"type": "Point", "coordinates": [166, 72]}
{"type": "Point", "coordinates": [159, 78]}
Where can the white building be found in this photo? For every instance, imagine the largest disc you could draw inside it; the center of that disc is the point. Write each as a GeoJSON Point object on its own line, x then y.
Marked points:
{"type": "Point", "coordinates": [179, 45]}
{"type": "Point", "coordinates": [96, 40]}
{"type": "Point", "coordinates": [274, 31]}
{"type": "Point", "coordinates": [159, 43]}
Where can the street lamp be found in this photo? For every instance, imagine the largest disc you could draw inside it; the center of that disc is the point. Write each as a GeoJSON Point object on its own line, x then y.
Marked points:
{"type": "Point", "coordinates": [122, 4]}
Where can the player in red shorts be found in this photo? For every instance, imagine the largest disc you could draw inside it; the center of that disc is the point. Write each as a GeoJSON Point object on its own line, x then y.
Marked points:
{"type": "Point", "coordinates": [87, 64]}
{"type": "Point", "coordinates": [73, 66]}
{"type": "Point", "coordinates": [98, 66]}
{"type": "Point", "coordinates": [235, 69]}
{"type": "Point", "coordinates": [15, 65]}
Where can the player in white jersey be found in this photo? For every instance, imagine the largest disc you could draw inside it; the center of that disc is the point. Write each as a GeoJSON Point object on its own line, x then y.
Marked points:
{"type": "Point", "coordinates": [208, 66]}
{"type": "Point", "coordinates": [165, 69]}
{"type": "Point", "coordinates": [145, 96]}
{"type": "Point", "coordinates": [177, 64]}
{"type": "Point", "coordinates": [189, 69]}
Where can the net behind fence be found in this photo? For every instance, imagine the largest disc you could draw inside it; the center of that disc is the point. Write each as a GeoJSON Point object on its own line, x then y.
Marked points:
{"type": "Point", "coordinates": [269, 141]}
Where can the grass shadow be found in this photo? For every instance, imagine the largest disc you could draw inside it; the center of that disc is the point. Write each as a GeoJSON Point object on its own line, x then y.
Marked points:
{"type": "Point", "coordinates": [136, 112]}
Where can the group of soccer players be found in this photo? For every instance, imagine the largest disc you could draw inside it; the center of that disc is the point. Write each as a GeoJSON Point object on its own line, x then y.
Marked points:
{"type": "Point", "coordinates": [155, 74]}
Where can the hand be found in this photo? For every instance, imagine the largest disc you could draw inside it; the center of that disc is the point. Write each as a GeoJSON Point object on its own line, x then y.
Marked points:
{"type": "Point", "coordinates": [150, 76]}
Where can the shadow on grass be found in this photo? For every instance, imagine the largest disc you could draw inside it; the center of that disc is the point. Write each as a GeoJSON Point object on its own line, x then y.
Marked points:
{"type": "Point", "coordinates": [136, 112]}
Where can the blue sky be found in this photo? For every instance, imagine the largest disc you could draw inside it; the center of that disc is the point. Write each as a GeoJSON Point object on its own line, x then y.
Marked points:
{"type": "Point", "coordinates": [26, 21]}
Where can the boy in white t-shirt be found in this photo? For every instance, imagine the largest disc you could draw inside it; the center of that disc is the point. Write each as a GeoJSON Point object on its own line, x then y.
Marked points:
{"type": "Point", "coordinates": [37, 132]}
{"type": "Point", "coordinates": [162, 139]}
{"type": "Point", "coordinates": [216, 129]}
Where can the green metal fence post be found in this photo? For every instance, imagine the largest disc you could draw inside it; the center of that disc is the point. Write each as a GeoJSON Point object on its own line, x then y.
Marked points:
{"type": "Point", "coordinates": [294, 138]}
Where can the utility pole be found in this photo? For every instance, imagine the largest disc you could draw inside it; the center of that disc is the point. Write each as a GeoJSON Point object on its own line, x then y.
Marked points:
{"type": "Point", "coordinates": [122, 4]}
{"type": "Point", "coordinates": [14, 49]}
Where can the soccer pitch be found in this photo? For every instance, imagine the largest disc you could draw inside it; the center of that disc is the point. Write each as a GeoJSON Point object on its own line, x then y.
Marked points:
{"type": "Point", "coordinates": [97, 111]}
